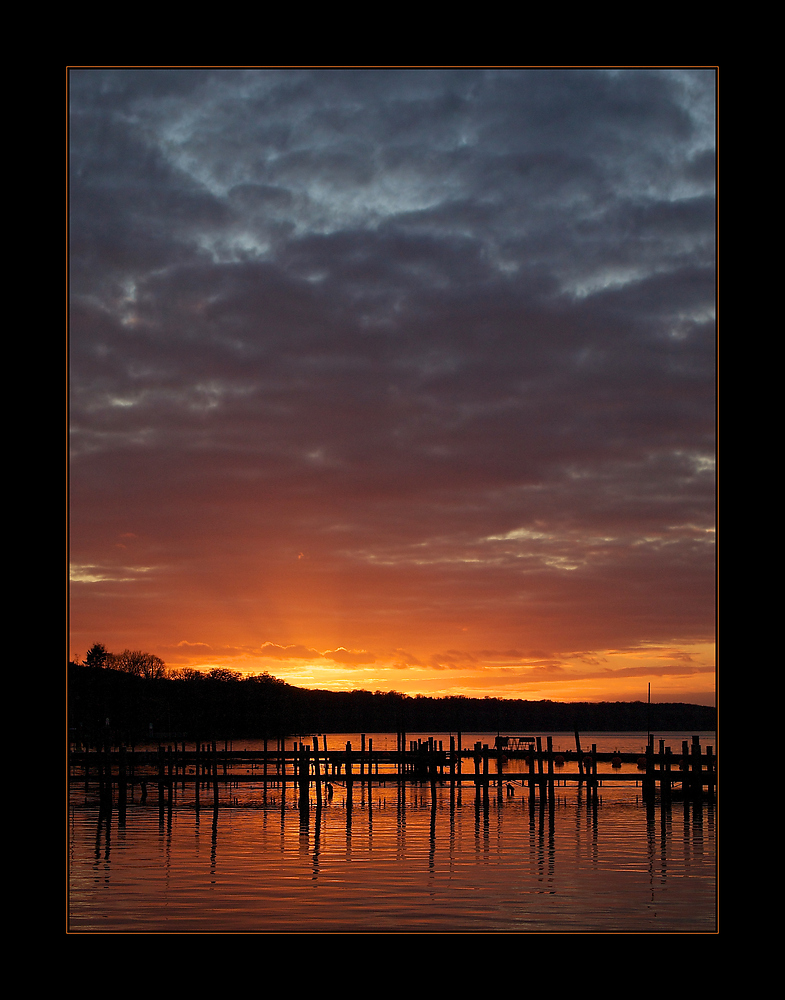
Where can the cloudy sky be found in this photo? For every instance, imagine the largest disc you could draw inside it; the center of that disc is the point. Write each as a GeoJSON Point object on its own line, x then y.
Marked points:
{"type": "Point", "coordinates": [397, 379]}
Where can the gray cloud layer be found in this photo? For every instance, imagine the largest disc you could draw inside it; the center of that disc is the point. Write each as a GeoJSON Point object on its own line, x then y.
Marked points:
{"type": "Point", "coordinates": [453, 320]}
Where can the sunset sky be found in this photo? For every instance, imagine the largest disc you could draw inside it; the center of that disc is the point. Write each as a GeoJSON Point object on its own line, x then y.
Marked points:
{"type": "Point", "coordinates": [397, 379]}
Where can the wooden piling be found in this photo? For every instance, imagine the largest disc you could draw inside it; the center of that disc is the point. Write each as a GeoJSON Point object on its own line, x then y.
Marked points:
{"type": "Point", "coordinates": [648, 781]}
{"type": "Point", "coordinates": [665, 775]}
{"type": "Point", "coordinates": [169, 777]}
{"type": "Point", "coordinates": [580, 756]}
{"type": "Point", "coordinates": [215, 775]}
{"type": "Point", "coordinates": [160, 779]}
{"type": "Point", "coordinates": [541, 781]}
{"type": "Point", "coordinates": [550, 766]}
{"type": "Point", "coordinates": [317, 772]}
{"type": "Point", "coordinates": [121, 788]}
{"type": "Point", "coordinates": [697, 768]}
{"type": "Point", "coordinates": [304, 775]}
{"type": "Point", "coordinates": [686, 783]}
{"type": "Point", "coordinates": [196, 776]}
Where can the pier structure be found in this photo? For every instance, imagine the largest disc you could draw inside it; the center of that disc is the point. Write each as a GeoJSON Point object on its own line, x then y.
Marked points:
{"type": "Point", "coordinates": [517, 761]}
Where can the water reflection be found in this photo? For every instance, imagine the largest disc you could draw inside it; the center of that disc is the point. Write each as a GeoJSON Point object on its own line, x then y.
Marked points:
{"type": "Point", "coordinates": [494, 856]}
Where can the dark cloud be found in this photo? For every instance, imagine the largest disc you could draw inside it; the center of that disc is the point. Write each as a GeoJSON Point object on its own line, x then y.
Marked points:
{"type": "Point", "coordinates": [389, 319]}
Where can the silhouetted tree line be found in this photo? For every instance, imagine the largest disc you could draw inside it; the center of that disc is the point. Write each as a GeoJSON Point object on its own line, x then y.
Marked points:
{"type": "Point", "coordinates": [222, 704]}
{"type": "Point", "coordinates": [130, 661]}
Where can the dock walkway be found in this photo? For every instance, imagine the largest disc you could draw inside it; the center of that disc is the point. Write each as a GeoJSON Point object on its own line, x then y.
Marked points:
{"type": "Point", "coordinates": [692, 772]}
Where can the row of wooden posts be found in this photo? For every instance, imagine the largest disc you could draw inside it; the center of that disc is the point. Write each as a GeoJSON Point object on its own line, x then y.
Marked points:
{"type": "Point", "coordinates": [422, 761]}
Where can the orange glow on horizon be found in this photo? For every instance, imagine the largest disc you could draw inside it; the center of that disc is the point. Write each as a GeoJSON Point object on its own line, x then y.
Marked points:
{"type": "Point", "coordinates": [677, 674]}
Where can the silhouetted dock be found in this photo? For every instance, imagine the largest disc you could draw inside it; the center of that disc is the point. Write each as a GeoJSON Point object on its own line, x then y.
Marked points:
{"type": "Point", "coordinates": [513, 762]}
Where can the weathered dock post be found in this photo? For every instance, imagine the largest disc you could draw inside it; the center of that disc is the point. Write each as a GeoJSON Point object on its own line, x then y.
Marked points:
{"type": "Point", "coordinates": [317, 772]}
{"type": "Point", "coordinates": [303, 776]}
{"type": "Point", "coordinates": [540, 777]}
{"type": "Point", "coordinates": [214, 763]}
{"type": "Point", "coordinates": [348, 767]}
{"type": "Point", "coordinates": [579, 752]}
{"type": "Point", "coordinates": [697, 769]}
{"type": "Point", "coordinates": [101, 768]}
{"type": "Point", "coordinates": [281, 766]}
{"type": "Point", "coordinates": [648, 781]}
{"type": "Point", "coordinates": [196, 776]}
{"type": "Point", "coordinates": [161, 766]}
{"type": "Point", "coordinates": [550, 766]}
{"type": "Point", "coordinates": [686, 784]}
{"type": "Point", "coordinates": [121, 787]}
{"type": "Point", "coordinates": [710, 774]}
{"type": "Point", "coordinates": [169, 777]}
{"type": "Point", "coordinates": [109, 778]}
{"type": "Point", "coordinates": [432, 767]}
{"type": "Point", "coordinates": [665, 774]}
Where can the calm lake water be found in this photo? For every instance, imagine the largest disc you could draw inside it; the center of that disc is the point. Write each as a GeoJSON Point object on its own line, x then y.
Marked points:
{"type": "Point", "coordinates": [398, 862]}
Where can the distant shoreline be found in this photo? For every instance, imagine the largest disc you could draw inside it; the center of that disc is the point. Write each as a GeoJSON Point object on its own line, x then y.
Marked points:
{"type": "Point", "coordinates": [267, 707]}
